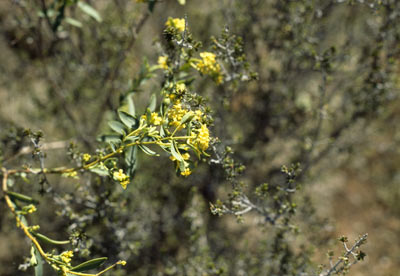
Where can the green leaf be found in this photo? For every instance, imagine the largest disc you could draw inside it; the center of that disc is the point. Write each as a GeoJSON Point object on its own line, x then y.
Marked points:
{"type": "Point", "coordinates": [128, 120]}
{"type": "Point", "coordinates": [45, 239]}
{"type": "Point", "coordinates": [131, 160]}
{"type": "Point", "coordinates": [175, 152]}
{"type": "Point", "coordinates": [110, 138]}
{"type": "Point", "coordinates": [187, 117]}
{"type": "Point", "coordinates": [21, 197]}
{"type": "Point", "coordinates": [131, 106]}
{"type": "Point", "coordinates": [117, 127]}
{"type": "Point", "coordinates": [73, 22]}
{"type": "Point", "coordinates": [153, 103]}
{"type": "Point", "coordinates": [89, 10]}
{"type": "Point", "coordinates": [33, 260]}
{"type": "Point", "coordinates": [39, 263]}
{"type": "Point", "coordinates": [100, 171]}
{"type": "Point", "coordinates": [148, 151]}
{"type": "Point", "coordinates": [148, 114]}
{"type": "Point", "coordinates": [89, 264]}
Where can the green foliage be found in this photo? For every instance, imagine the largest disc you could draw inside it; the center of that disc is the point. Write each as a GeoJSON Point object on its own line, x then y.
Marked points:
{"type": "Point", "coordinates": [201, 116]}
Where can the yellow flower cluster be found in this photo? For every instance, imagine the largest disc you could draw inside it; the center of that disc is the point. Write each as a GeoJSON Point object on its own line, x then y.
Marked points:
{"type": "Point", "coordinates": [155, 119]}
{"type": "Point", "coordinates": [176, 113]}
{"type": "Point", "coordinates": [202, 139]}
{"type": "Point", "coordinates": [177, 23]}
{"type": "Point", "coordinates": [122, 178]}
{"type": "Point", "coordinates": [163, 62]}
{"type": "Point", "coordinates": [66, 256]}
{"type": "Point", "coordinates": [208, 65]}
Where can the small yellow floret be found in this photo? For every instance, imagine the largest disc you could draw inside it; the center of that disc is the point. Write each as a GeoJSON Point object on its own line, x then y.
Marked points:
{"type": "Point", "coordinates": [86, 157]}
{"type": "Point", "coordinates": [186, 172]}
{"type": "Point", "coordinates": [177, 23]}
{"type": "Point", "coordinates": [163, 62]}
{"type": "Point", "coordinates": [186, 156]}
{"type": "Point", "coordinates": [122, 178]}
{"type": "Point", "coordinates": [180, 88]}
{"type": "Point", "coordinates": [31, 209]}
{"type": "Point", "coordinates": [155, 119]}
{"type": "Point", "coordinates": [124, 184]}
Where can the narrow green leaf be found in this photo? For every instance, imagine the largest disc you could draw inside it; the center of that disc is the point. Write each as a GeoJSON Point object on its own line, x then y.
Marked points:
{"type": "Point", "coordinates": [162, 131]}
{"type": "Point", "coordinates": [33, 260]}
{"type": "Point", "coordinates": [131, 106]}
{"type": "Point", "coordinates": [21, 197]}
{"type": "Point", "coordinates": [187, 117]}
{"type": "Point", "coordinates": [100, 170]}
{"type": "Point", "coordinates": [89, 10]}
{"type": "Point", "coordinates": [89, 264]}
{"type": "Point", "coordinates": [175, 152]}
{"type": "Point", "coordinates": [148, 151]}
{"type": "Point", "coordinates": [128, 120]}
{"type": "Point", "coordinates": [117, 127]}
{"type": "Point", "coordinates": [73, 22]}
{"type": "Point", "coordinates": [131, 160]}
{"type": "Point", "coordinates": [153, 103]}
{"type": "Point", "coordinates": [45, 239]}
{"type": "Point", "coordinates": [39, 263]}
{"type": "Point", "coordinates": [148, 114]}
{"type": "Point", "coordinates": [110, 138]}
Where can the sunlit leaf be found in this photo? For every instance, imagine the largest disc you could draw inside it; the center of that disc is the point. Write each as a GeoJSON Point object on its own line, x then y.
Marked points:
{"type": "Point", "coordinates": [89, 265]}
{"type": "Point", "coordinates": [117, 127]}
{"type": "Point", "coordinates": [89, 10]}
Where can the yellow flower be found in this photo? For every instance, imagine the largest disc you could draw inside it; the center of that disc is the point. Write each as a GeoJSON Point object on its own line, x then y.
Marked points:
{"type": "Point", "coordinates": [172, 158]}
{"type": "Point", "coordinates": [186, 172]}
{"type": "Point", "coordinates": [155, 119]}
{"type": "Point", "coordinates": [163, 62]}
{"type": "Point", "coordinates": [198, 115]}
{"type": "Point", "coordinates": [122, 262]}
{"type": "Point", "coordinates": [186, 156]}
{"type": "Point", "coordinates": [180, 88]}
{"type": "Point", "coordinates": [86, 157]}
{"type": "Point", "coordinates": [66, 256]}
{"type": "Point", "coordinates": [122, 178]}
{"type": "Point", "coordinates": [124, 184]}
{"type": "Point", "coordinates": [31, 209]}
{"type": "Point", "coordinates": [176, 113]}
{"type": "Point", "coordinates": [177, 23]}
{"type": "Point", "coordinates": [203, 138]}
{"type": "Point", "coordinates": [208, 65]}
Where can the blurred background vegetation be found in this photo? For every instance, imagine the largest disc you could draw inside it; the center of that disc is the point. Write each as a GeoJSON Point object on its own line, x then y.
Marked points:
{"type": "Point", "coordinates": [327, 97]}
